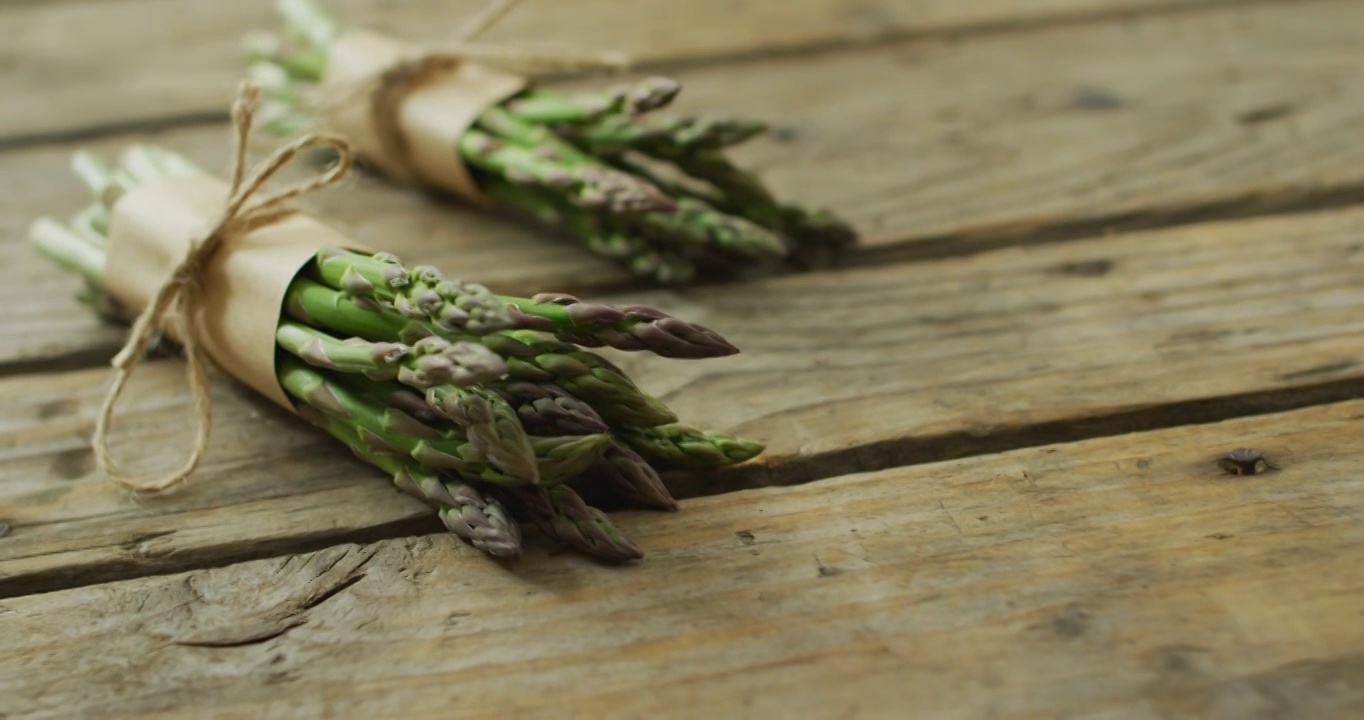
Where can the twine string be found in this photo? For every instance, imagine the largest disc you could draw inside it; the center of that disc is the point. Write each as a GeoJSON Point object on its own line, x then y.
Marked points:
{"type": "Point", "coordinates": [179, 297]}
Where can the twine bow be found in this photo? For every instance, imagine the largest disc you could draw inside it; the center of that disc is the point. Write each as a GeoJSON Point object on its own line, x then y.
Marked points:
{"type": "Point", "coordinates": [180, 294]}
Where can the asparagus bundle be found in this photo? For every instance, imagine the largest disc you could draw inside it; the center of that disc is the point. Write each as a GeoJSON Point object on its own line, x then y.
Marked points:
{"type": "Point", "coordinates": [655, 194]}
{"type": "Point", "coordinates": [482, 406]}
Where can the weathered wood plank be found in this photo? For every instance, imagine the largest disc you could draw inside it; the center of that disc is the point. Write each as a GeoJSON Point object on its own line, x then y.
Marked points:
{"type": "Point", "coordinates": [69, 524]}
{"type": "Point", "coordinates": [1120, 577]}
{"type": "Point", "coordinates": [75, 65]}
{"type": "Point", "coordinates": [843, 371]}
{"type": "Point", "coordinates": [1076, 126]}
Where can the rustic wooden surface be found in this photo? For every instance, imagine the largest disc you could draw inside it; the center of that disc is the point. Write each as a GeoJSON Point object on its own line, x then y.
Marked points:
{"type": "Point", "coordinates": [1039, 392]}
{"type": "Point", "coordinates": [1076, 339]}
{"type": "Point", "coordinates": [1024, 137]}
{"type": "Point", "coordinates": [101, 64]}
{"type": "Point", "coordinates": [1117, 577]}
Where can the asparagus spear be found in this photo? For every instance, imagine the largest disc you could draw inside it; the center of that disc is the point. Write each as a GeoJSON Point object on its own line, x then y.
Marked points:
{"type": "Point", "coordinates": [430, 362]}
{"type": "Point", "coordinates": [491, 425]}
{"type": "Point", "coordinates": [548, 408]}
{"type": "Point", "coordinates": [454, 306]}
{"type": "Point", "coordinates": [462, 508]}
{"type": "Point", "coordinates": [420, 293]}
{"type": "Point", "coordinates": [602, 235]}
{"type": "Point", "coordinates": [616, 135]}
{"type": "Point", "coordinates": [628, 475]}
{"type": "Point", "coordinates": [526, 157]}
{"type": "Point", "coordinates": [633, 327]}
{"type": "Point", "coordinates": [322, 350]}
{"type": "Point", "coordinates": [538, 357]}
{"type": "Point", "coordinates": [543, 107]}
{"type": "Point", "coordinates": [561, 514]}
{"type": "Point", "coordinates": [622, 472]}
{"type": "Point", "coordinates": [687, 447]}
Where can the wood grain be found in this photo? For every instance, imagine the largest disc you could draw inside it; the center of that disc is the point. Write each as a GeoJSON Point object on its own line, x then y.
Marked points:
{"type": "Point", "coordinates": [928, 147]}
{"type": "Point", "coordinates": [77, 65]}
{"type": "Point", "coordinates": [1120, 577]}
{"type": "Point", "coordinates": [839, 372]}
{"type": "Point", "coordinates": [267, 484]}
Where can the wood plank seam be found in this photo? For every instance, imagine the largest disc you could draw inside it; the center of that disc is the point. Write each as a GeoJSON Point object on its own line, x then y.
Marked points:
{"type": "Point", "coordinates": [922, 249]}
{"type": "Point", "coordinates": [1125, 577]}
{"type": "Point", "coordinates": [1285, 201]}
{"type": "Point", "coordinates": [66, 361]}
{"type": "Point", "coordinates": [62, 579]}
{"type": "Point", "coordinates": [978, 30]}
{"type": "Point", "coordinates": [908, 452]}
{"type": "Point", "coordinates": [886, 455]}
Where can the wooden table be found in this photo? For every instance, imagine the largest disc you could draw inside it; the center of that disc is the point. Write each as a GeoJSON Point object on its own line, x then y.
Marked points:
{"type": "Point", "coordinates": [1106, 242]}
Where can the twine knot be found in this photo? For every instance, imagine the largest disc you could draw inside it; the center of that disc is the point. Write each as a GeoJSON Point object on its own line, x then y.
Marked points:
{"type": "Point", "coordinates": [179, 297]}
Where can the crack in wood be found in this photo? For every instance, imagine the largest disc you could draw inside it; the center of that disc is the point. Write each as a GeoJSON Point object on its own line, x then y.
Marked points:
{"type": "Point", "coordinates": [284, 606]}
{"type": "Point", "coordinates": [902, 452]}
{"type": "Point", "coordinates": [133, 566]}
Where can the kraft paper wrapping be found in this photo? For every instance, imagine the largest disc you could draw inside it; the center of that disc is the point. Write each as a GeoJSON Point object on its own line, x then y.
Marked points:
{"type": "Point", "coordinates": [243, 285]}
{"type": "Point", "coordinates": [430, 111]}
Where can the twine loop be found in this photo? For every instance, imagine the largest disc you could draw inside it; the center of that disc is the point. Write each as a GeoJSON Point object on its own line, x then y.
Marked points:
{"type": "Point", "coordinates": [180, 295]}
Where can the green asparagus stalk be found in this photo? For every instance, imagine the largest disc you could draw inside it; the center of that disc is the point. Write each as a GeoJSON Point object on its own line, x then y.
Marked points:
{"type": "Point", "coordinates": [430, 362]}
{"type": "Point", "coordinates": [573, 162]}
{"type": "Point", "coordinates": [538, 357]}
{"type": "Point", "coordinates": [549, 409]}
{"type": "Point", "coordinates": [547, 108]}
{"type": "Point", "coordinates": [491, 425]}
{"type": "Point", "coordinates": [462, 508]}
{"type": "Point", "coordinates": [561, 514]}
{"type": "Point", "coordinates": [355, 355]}
{"type": "Point", "coordinates": [453, 306]}
{"type": "Point", "coordinates": [672, 136]}
{"type": "Point", "coordinates": [588, 184]}
{"type": "Point", "coordinates": [422, 293]}
{"type": "Point", "coordinates": [632, 327]}
{"type": "Point", "coordinates": [620, 470]}
{"type": "Point", "coordinates": [686, 447]}
{"type": "Point", "coordinates": [629, 476]}
{"type": "Point", "coordinates": [605, 236]}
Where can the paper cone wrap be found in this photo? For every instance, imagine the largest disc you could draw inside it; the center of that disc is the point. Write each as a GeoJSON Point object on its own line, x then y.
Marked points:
{"type": "Point", "coordinates": [410, 126]}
